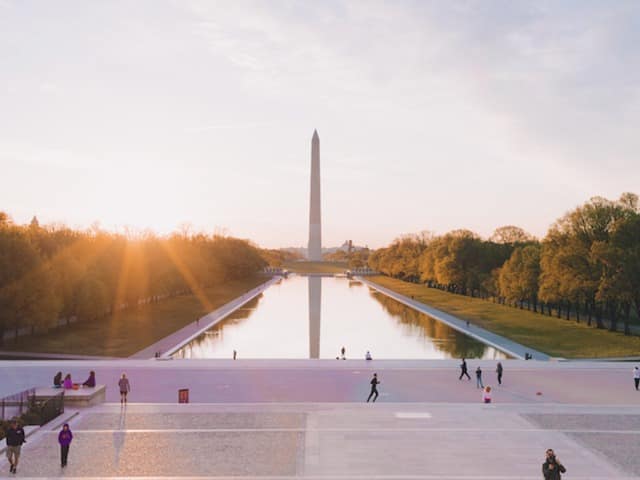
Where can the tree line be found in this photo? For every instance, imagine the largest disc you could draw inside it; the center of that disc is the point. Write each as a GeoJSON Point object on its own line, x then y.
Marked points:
{"type": "Point", "coordinates": [277, 257]}
{"type": "Point", "coordinates": [587, 267]}
{"type": "Point", "coordinates": [53, 273]}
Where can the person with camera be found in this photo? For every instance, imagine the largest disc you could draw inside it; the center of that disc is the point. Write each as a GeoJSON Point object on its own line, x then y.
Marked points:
{"type": "Point", "coordinates": [552, 468]}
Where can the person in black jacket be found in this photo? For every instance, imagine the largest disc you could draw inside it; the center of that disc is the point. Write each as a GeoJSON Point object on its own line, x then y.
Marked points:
{"type": "Point", "coordinates": [479, 383]}
{"type": "Point", "coordinates": [15, 439]}
{"type": "Point", "coordinates": [463, 370]}
{"type": "Point", "coordinates": [374, 388]}
{"type": "Point", "coordinates": [499, 372]}
{"type": "Point", "coordinates": [552, 468]}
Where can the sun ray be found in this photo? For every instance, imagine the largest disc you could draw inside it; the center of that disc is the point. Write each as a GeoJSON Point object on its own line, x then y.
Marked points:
{"type": "Point", "coordinates": [188, 276]}
{"type": "Point", "coordinates": [78, 250]}
{"type": "Point", "coordinates": [123, 282]}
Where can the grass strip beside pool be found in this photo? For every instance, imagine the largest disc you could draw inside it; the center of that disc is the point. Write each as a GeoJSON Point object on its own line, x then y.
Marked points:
{"type": "Point", "coordinates": [554, 336]}
{"type": "Point", "coordinates": [132, 330]}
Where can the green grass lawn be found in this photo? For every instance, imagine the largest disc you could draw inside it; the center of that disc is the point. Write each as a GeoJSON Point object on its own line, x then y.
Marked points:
{"type": "Point", "coordinates": [131, 330]}
{"type": "Point", "coordinates": [316, 267]}
{"type": "Point", "coordinates": [556, 337]}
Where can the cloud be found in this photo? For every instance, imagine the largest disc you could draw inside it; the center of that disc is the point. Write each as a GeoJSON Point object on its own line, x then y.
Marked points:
{"type": "Point", "coordinates": [29, 154]}
{"type": "Point", "coordinates": [49, 88]}
{"type": "Point", "coordinates": [229, 126]}
{"type": "Point", "coordinates": [554, 78]}
{"type": "Point", "coordinates": [521, 105]}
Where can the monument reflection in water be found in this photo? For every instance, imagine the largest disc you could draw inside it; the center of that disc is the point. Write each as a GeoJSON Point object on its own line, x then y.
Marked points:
{"type": "Point", "coordinates": [315, 306]}
{"type": "Point", "coordinates": [314, 317]}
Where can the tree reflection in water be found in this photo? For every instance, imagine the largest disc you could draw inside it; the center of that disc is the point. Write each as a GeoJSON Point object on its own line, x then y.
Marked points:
{"type": "Point", "coordinates": [443, 337]}
{"type": "Point", "coordinates": [202, 342]}
{"type": "Point", "coordinates": [313, 317]}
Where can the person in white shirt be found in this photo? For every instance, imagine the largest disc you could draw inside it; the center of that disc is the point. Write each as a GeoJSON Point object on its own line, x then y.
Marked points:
{"type": "Point", "coordinates": [636, 376]}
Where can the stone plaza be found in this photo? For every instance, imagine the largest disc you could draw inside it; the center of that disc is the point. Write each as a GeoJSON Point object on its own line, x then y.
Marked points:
{"type": "Point", "coordinates": [309, 419]}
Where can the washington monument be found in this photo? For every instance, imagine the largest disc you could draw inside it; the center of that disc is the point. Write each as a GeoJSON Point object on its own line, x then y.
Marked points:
{"type": "Point", "coordinates": [315, 227]}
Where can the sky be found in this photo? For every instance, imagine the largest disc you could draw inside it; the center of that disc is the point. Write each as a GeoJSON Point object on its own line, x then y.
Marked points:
{"type": "Point", "coordinates": [432, 115]}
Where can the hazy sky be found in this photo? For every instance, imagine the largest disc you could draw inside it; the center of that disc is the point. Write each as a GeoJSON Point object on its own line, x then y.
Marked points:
{"type": "Point", "coordinates": [431, 115]}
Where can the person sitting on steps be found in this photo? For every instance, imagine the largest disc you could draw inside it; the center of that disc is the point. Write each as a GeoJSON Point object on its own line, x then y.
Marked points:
{"type": "Point", "coordinates": [91, 381]}
{"type": "Point", "coordinates": [68, 383]}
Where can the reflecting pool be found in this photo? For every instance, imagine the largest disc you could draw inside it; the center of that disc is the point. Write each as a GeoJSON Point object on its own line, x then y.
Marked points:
{"type": "Point", "coordinates": [314, 317]}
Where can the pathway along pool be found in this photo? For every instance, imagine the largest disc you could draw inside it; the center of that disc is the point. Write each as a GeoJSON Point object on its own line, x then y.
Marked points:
{"type": "Point", "coordinates": [314, 317]}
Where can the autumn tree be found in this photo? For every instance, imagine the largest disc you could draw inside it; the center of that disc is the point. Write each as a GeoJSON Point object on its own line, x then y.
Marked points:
{"type": "Point", "coordinates": [571, 266]}
{"type": "Point", "coordinates": [510, 234]}
{"type": "Point", "coordinates": [53, 272]}
{"type": "Point", "coordinates": [518, 278]}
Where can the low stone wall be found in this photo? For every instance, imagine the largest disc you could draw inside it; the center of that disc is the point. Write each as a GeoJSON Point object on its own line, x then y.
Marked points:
{"type": "Point", "coordinates": [83, 397]}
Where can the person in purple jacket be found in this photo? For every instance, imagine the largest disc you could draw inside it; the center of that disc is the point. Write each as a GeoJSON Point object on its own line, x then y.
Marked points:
{"type": "Point", "coordinates": [91, 381]}
{"type": "Point", "coordinates": [64, 439]}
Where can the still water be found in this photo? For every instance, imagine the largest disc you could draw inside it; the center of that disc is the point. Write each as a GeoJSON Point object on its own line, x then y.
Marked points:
{"type": "Point", "coordinates": [314, 317]}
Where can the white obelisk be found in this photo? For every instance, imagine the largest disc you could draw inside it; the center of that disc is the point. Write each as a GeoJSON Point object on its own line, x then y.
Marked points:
{"type": "Point", "coordinates": [315, 227]}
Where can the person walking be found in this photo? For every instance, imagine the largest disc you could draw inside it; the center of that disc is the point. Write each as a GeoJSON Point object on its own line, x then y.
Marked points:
{"type": "Point", "coordinates": [499, 372]}
{"type": "Point", "coordinates": [235, 354]}
{"type": "Point", "coordinates": [15, 439]}
{"type": "Point", "coordinates": [552, 468]}
{"type": "Point", "coordinates": [374, 388]}
{"type": "Point", "coordinates": [64, 439]}
{"type": "Point", "coordinates": [636, 377]}
{"type": "Point", "coordinates": [463, 370]}
{"type": "Point", "coordinates": [343, 352]}
{"type": "Point", "coordinates": [479, 377]}
{"type": "Point", "coordinates": [125, 388]}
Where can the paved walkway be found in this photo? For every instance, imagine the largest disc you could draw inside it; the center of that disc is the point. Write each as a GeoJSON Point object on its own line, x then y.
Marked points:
{"type": "Point", "coordinates": [514, 349]}
{"type": "Point", "coordinates": [223, 381]}
{"type": "Point", "coordinates": [339, 441]}
{"type": "Point", "coordinates": [169, 344]}
{"type": "Point", "coordinates": [307, 419]}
